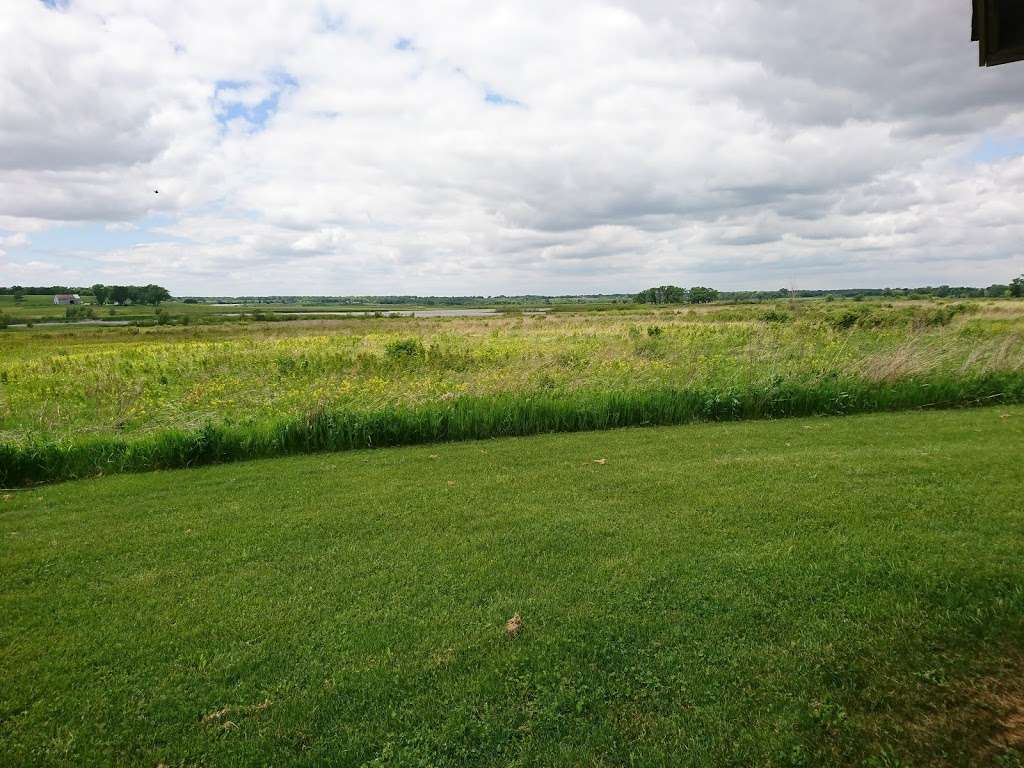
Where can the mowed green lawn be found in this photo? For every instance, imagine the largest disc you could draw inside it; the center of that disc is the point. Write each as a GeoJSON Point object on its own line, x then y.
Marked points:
{"type": "Point", "coordinates": [805, 592]}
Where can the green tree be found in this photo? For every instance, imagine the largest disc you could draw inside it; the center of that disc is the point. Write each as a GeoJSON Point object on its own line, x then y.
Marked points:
{"type": "Point", "coordinates": [663, 294]}
{"type": "Point", "coordinates": [100, 293]}
{"type": "Point", "coordinates": [119, 294]}
{"type": "Point", "coordinates": [1017, 286]}
{"type": "Point", "coordinates": [79, 312]}
{"type": "Point", "coordinates": [701, 295]}
{"type": "Point", "coordinates": [154, 294]}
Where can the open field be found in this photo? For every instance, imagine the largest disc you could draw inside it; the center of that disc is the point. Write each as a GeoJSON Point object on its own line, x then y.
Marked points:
{"type": "Point", "coordinates": [41, 309]}
{"type": "Point", "coordinates": [81, 401]}
{"type": "Point", "coordinates": [800, 592]}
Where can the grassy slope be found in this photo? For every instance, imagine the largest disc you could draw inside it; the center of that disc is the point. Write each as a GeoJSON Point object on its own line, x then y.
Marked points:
{"type": "Point", "coordinates": [814, 591]}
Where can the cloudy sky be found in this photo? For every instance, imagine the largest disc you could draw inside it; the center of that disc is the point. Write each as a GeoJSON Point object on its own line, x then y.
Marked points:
{"type": "Point", "coordinates": [457, 147]}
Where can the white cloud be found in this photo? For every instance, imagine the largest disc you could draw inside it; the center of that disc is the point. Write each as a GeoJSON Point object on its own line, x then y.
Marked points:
{"type": "Point", "coordinates": [455, 147]}
{"type": "Point", "coordinates": [17, 240]}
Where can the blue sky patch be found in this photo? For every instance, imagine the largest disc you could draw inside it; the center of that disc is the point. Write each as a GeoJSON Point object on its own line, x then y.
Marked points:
{"type": "Point", "coordinates": [998, 149]}
{"type": "Point", "coordinates": [256, 115]}
{"type": "Point", "coordinates": [498, 99]}
{"type": "Point", "coordinates": [94, 236]}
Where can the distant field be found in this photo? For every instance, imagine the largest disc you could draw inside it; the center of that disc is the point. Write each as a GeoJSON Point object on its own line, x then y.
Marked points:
{"type": "Point", "coordinates": [41, 309]}
{"type": "Point", "coordinates": [176, 396]}
{"type": "Point", "coordinates": [30, 307]}
{"type": "Point", "coordinates": [803, 592]}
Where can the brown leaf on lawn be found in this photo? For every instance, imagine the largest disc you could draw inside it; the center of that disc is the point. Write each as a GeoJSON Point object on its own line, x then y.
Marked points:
{"type": "Point", "coordinates": [216, 714]}
{"type": "Point", "coordinates": [600, 461]}
{"type": "Point", "coordinates": [8, 496]}
{"type": "Point", "coordinates": [513, 625]}
{"type": "Point", "coordinates": [451, 483]}
{"type": "Point", "coordinates": [434, 456]}
{"type": "Point", "coordinates": [243, 709]}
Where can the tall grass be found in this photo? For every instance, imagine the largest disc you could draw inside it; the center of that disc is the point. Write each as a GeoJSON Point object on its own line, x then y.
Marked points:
{"type": "Point", "coordinates": [124, 382]}
{"type": "Point", "coordinates": [37, 460]}
{"type": "Point", "coordinates": [80, 402]}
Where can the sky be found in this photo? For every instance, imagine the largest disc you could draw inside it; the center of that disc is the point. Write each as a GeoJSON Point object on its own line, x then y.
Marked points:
{"type": "Point", "coordinates": [451, 147]}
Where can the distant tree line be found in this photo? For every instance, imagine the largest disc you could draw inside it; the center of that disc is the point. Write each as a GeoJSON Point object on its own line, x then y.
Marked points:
{"type": "Point", "coordinates": [997, 290]}
{"type": "Point", "coordinates": [665, 294]}
{"type": "Point", "coordinates": [673, 294]}
{"type": "Point", "coordinates": [39, 290]}
{"type": "Point", "coordinates": [129, 294]}
{"type": "Point", "coordinates": [102, 294]}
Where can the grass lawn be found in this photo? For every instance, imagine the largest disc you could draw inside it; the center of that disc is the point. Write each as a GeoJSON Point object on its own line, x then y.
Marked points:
{"type": "Point", "coordinates": [802, 592]}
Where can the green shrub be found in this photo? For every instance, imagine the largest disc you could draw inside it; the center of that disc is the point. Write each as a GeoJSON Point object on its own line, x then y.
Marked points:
{"type": "Point", "coordinates": [940, 316]}
{"type": "Point", "coordinates": [776, 316]}
{"type": "Point", "coordinates": [79, 312]}
{"type": "Point", "coordinates": [844, 319]}
{"type": "Point", "coordinates": [404, 349]}
{"type": "Point", "coordinates": [888, 316]}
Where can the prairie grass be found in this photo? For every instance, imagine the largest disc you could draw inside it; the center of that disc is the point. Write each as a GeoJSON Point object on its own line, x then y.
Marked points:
{"type": "Point", "coordinates": [79, 402]}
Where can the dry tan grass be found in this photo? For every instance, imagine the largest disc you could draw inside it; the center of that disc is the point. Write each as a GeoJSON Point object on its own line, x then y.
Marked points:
{"type": "Point", "coordinates": [984, 716]}
{"type": "Point", "coordinates": [908, 359]}
{"type": "Point", "coordinates": [220, 716]}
